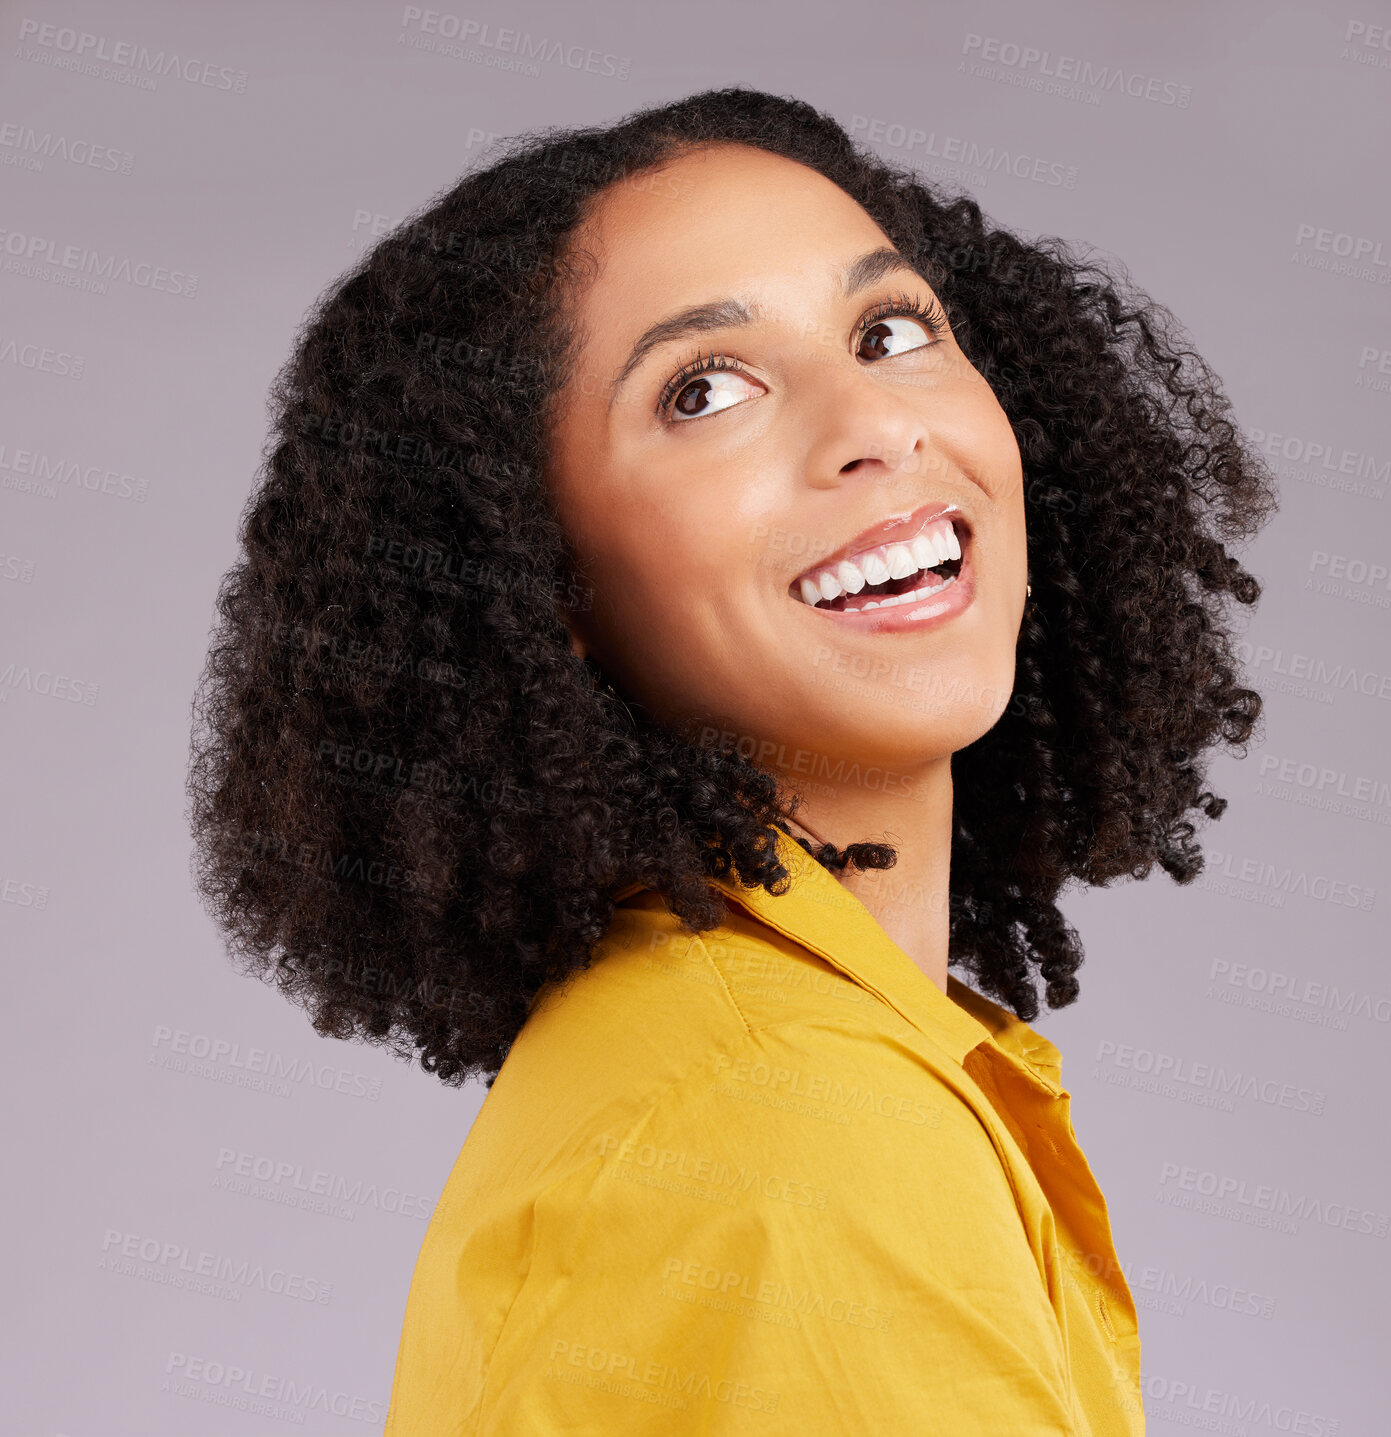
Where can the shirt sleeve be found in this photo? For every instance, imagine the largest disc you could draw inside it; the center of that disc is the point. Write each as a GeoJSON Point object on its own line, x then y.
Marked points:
{"type": "Point", "coordinates": [812, 1234]}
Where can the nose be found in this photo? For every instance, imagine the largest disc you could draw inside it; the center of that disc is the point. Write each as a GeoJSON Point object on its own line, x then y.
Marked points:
{"type": "Point", "coordinates": [859, 426]}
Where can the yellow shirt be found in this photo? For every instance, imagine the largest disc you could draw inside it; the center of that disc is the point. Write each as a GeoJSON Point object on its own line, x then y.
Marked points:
{"type": "Point", "coordinates": [769, 1180]}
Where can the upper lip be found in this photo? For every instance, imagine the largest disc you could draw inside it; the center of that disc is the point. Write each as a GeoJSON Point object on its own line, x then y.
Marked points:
{"type": "Point", "coordinates": [898, 527]}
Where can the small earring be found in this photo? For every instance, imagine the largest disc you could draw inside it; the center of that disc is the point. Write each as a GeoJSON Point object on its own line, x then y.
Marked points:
{"type": "Point", "coordinates": [1028, 591]}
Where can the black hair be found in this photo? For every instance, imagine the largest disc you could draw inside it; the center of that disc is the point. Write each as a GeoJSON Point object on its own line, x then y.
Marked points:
{"type": "Point", "coordinates": [413, 804]}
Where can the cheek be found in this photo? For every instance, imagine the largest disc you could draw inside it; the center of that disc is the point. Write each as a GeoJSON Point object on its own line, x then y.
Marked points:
{"type": "Point", "coordinates": [667, 588]}
{"type": "Point", "coordinates": [998, 460]}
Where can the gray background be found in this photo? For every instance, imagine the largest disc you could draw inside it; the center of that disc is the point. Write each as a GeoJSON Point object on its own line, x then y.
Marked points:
{"type": "Point", "coordinates": [1240, 175]}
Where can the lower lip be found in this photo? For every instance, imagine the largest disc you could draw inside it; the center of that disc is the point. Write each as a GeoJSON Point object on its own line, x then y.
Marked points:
{"type": "Point", "coordinates": [937, 608]}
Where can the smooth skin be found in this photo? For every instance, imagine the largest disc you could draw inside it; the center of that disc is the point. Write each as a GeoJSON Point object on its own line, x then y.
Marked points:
{"type": "Point", "coordinates": [691, 525]}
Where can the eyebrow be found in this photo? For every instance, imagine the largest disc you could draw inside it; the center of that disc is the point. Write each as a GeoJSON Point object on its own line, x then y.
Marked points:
{"type": "Point", "coordinates": [859, 274]}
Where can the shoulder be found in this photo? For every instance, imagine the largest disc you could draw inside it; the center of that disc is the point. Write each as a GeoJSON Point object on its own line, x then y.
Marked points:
{"type": "Point", "coordinates": [677, 1171]}
{"type": "Point", "coordinates": [733, 1057]}
{"type": "Point", "coordinates": [691, 1098]}
{"type": "Point", "coordinates": [808, 1199]}
{"type": "Point", "coordinates": [657, 1000]}
{"type": "Point", "coordinates": [736, 1026]}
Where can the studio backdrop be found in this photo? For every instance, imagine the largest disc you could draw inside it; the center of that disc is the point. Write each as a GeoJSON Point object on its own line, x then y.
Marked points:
{"type": "Point", "coordinates": [213, 1213]}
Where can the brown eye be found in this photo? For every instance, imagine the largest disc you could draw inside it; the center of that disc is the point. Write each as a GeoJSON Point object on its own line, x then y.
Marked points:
{"type": "Point", "coordinates": [886, 343]}
{"type": "Point", "coordinates": [708, 394]}
{"type": "Point", "coordinates": [691, 397]}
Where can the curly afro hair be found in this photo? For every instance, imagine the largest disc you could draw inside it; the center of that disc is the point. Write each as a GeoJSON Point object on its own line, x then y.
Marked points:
{"type": "Point", "coordinates": [413, 805]}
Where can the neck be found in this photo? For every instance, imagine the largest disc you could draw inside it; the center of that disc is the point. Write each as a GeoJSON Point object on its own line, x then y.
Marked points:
{"type": "Point", "coordinates": [909, 900]}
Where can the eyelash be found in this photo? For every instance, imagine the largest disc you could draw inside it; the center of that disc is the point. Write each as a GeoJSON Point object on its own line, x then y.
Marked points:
{"type": "Point", "coordinates": [930, 312]}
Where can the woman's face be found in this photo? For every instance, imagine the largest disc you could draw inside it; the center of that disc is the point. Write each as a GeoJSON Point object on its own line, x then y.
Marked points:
{"type": "Point", "coordinates": [698, 501]}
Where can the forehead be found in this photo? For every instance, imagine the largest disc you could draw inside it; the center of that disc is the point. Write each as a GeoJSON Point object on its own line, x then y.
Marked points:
{"type": "Point", "coordinates": [717, 220]}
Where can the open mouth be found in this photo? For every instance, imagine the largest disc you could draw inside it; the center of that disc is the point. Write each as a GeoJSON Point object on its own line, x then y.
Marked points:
{"type": "Point", "coordinates": [887, 575]}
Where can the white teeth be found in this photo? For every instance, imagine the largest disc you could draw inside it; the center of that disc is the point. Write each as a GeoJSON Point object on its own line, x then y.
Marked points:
{"type": "Point", "coordinates": [876, 571]}
{"type": "Point", "coordinates": [881, 564]}
{"type": "Point", "coordinates": [900, 561]}
{"type": "Point", "coordinates": [915, 595]}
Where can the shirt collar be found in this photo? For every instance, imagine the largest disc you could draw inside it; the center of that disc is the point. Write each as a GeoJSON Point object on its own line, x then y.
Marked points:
{"type": "Point", "coordinates": [821, 914]}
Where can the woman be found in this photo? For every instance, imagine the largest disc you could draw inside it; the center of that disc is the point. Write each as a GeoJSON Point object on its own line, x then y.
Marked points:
{"type": "Point", "coordinates": [705, 583]}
